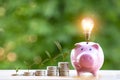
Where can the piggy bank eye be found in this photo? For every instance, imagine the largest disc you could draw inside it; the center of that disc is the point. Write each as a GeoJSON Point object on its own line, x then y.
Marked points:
{"type": "Point", "coordinates": [90, 49]}
{"type": "Point", "coordinates": [81, 49]}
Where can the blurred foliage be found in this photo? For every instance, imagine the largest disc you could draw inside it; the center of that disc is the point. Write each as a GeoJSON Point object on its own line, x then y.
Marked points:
{"type": "Point", "coordinates": [43, 32]}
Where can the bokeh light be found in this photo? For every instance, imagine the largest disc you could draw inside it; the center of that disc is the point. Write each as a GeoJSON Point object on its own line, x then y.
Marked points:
{"type": "Point", "coordinates": [31, 38]}
{"type": "Point", "coordinates": [11, 56]}
{"type": "Point", "coordinates": [2, 53]}
{"type": "Point", "coordinates": [87, 24]}
{"type": "Point", "coordinates": [2, 11]}
{"type": "Point", "coordinates": [10, 45]}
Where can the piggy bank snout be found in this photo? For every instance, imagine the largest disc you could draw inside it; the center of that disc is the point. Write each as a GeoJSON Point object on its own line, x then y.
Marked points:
{"type": "Point", "coordinates": [86, 60]}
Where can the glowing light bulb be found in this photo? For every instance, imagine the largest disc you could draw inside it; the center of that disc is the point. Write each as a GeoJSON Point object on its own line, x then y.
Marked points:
{"type": "Point", "coordinates": [87, 24]}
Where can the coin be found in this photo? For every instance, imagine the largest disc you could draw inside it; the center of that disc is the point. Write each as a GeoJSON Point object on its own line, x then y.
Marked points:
{"type": "Point", "coordinates": [63, 65]}
{"type": "Point", "coordinates": [14, 74]}
{"type": "Point", "coordinates": [28, 74]}
{"type": "Point", "coordinates": [64, 73]}
{"type": "Point", "coordinates": [52, 70]}
{"type": "Point", "coordinates": [63, 68]}
{"type": "Point", "coordinates": [40, 73]}
{"type": "Point", "coordinates": [52, 73]}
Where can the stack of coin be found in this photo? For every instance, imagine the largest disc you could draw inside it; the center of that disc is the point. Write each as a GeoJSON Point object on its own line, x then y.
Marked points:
{"type": "Point", "coordinates": [63, 68]}
{"type": "Point", "coordinates": [15, 75]}
{"type": "Point", "coordinates": [40, 73]}
{"type": "Point", "coordinates": [28, 74]}
{"type": "Point", "coordinates": [52, 70]}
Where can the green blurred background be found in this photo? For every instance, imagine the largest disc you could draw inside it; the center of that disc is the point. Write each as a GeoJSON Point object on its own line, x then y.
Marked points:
{"type": "Point", "coordinates": [39, 33]}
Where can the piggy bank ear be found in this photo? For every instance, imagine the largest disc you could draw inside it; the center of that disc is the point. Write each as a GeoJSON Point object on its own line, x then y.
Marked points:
{"type": "Point", "coordinates": [95, 46]}
{"type": "Point", "coordinates": [77, 45]}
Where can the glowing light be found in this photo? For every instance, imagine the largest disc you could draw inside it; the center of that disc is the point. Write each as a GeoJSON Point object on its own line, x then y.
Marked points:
{"type": "Point", "coordinates": [87, 24]}
{"type": "Point", "coordinates": [2, 51]}
{"type": "Point", "coordinates": [1, 30]}
{"type": "Point", "coordinates": [2, 54]}
{"type": "Point", "coordinates": [31, 38]}
{"type": "Point", "coordinates": [2, 11]}
{"type": "Point", "coordinates": [33, 5]}
{"type": "Point", "coordinates": [11, 57]}
{"type": "Point", "coordinates": [9, 46]}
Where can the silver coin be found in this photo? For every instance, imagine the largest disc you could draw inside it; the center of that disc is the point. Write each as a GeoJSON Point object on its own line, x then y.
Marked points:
{"type": "Point", "coordinates": [63, 69]}
{"type": "Point", "coordinates": [64, 73]}
{"type": "Point", "coordinates": [51, 68]}
{"type": "Point", "coordinates": [63, 64]}
{"type": "Point", "coordinates": [52, 73]}
{"type": "Point", "coordinates": [14, 74]}
{"type": "Point", "coordinates": [40, 73]}
{"type": "Point", "coordinates": [28, 74]}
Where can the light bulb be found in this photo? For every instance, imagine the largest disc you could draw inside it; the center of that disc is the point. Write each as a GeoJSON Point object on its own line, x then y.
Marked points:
{"type": "Point", "coordinates": [87, 24]}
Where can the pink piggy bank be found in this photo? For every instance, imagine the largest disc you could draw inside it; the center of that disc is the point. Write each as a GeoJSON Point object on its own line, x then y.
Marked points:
{"type": "Point", "coordinates": [87, 57]}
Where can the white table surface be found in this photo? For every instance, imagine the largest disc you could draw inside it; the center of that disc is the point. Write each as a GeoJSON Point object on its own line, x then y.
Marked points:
{"type": "Point", "coordinates": [103, 75]}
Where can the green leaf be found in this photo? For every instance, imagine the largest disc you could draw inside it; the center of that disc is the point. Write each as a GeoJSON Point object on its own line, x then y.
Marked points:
{"type": "Point", "coordinates": [17, 69]}
{"type": "Point", "coordinates": [58, 45]}
{"type": "Point", "coordinates": [48, 54]}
